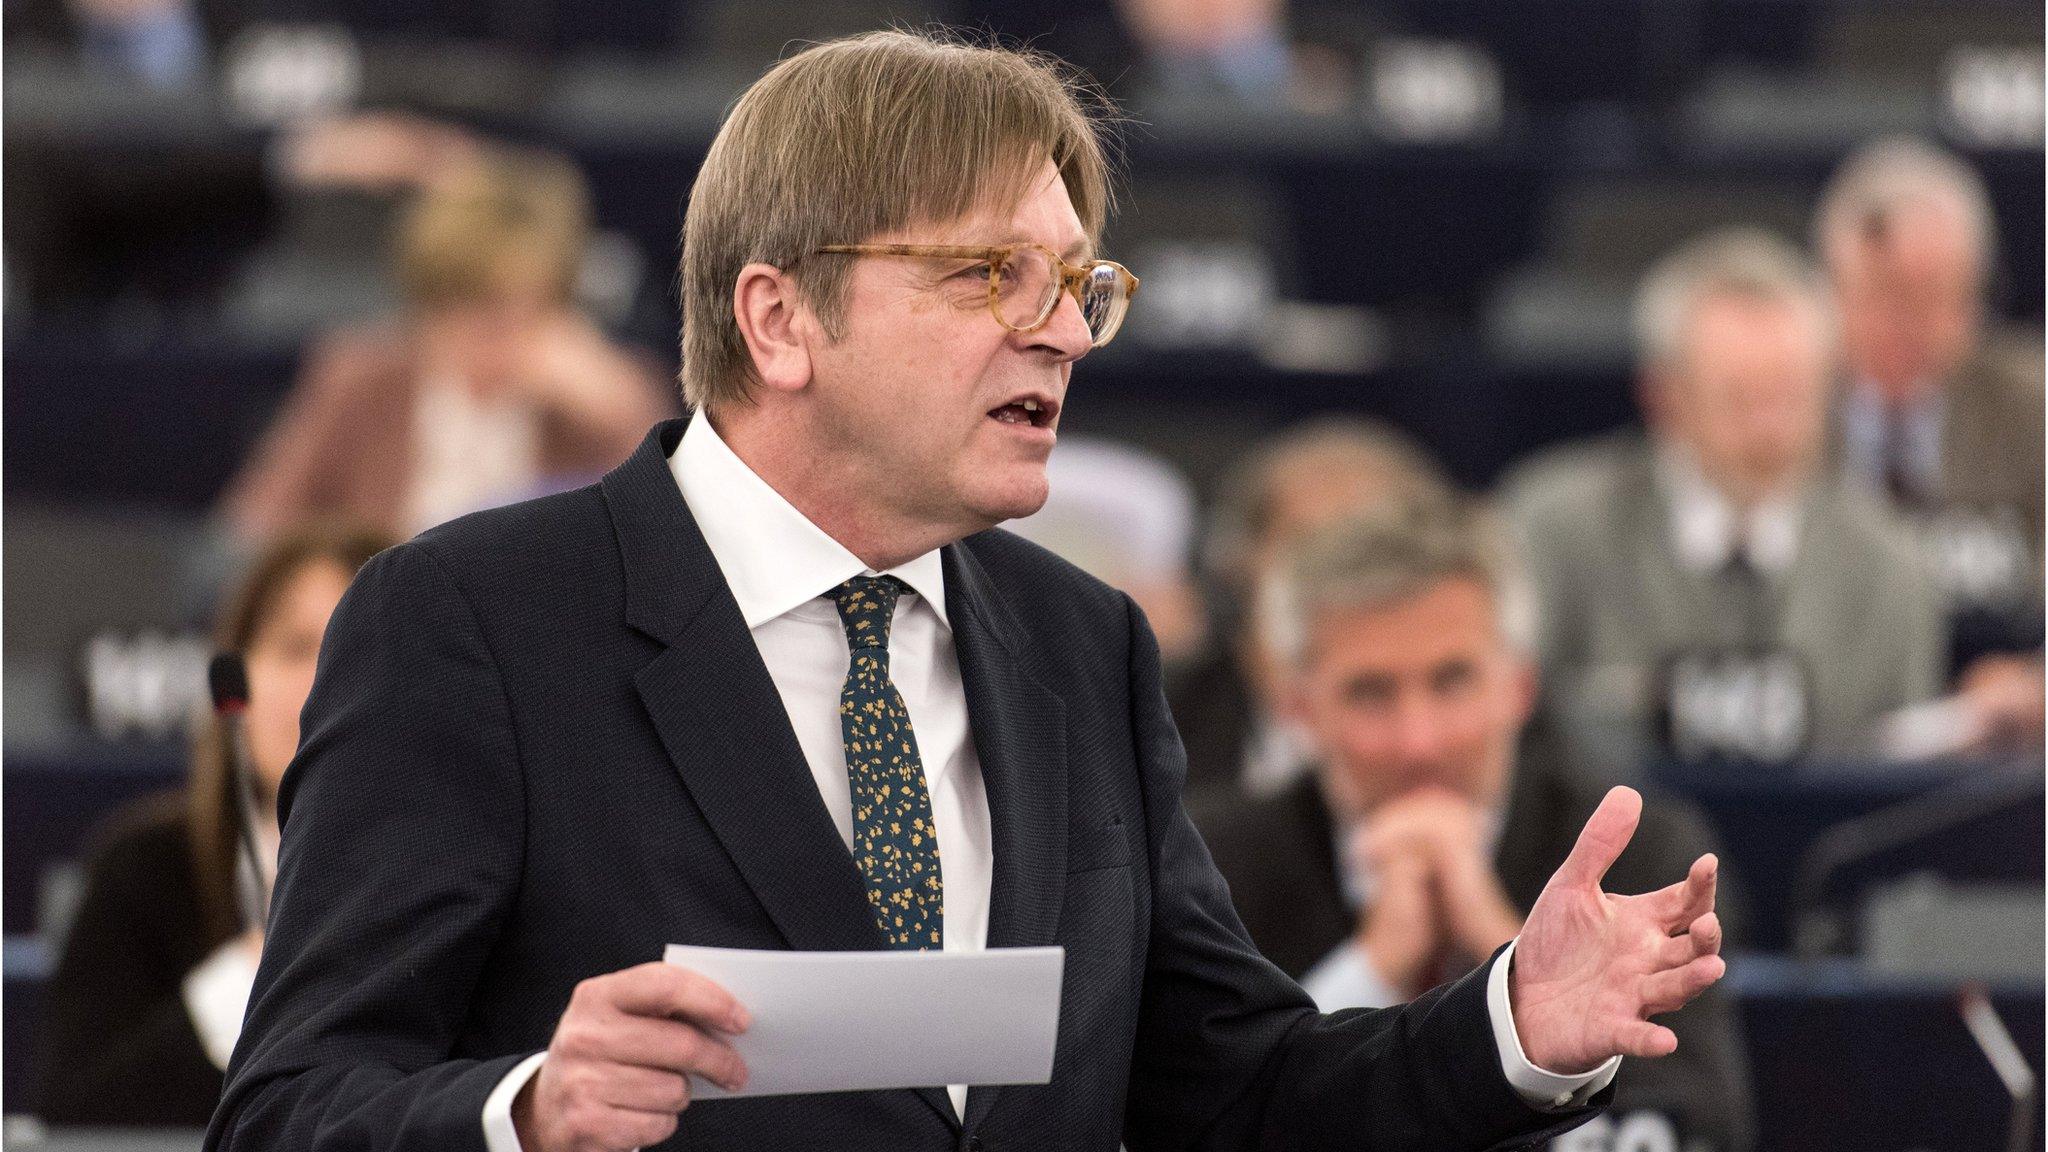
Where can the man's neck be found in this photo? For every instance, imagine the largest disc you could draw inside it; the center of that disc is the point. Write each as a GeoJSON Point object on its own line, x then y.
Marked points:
{"type": "Point", "coordinates": [837, 498]}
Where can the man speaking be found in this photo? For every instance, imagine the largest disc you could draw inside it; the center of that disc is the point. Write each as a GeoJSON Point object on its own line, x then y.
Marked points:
{"type": "Point", "coordinates": [776, 683]}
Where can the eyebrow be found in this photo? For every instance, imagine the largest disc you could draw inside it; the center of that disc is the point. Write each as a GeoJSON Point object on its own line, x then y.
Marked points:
{"type": "Point", "coordinates": [1079, 250]}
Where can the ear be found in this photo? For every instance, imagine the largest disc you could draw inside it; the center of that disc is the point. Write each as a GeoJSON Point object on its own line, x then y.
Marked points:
{"type": "Point", "coordinates": [775, 324]}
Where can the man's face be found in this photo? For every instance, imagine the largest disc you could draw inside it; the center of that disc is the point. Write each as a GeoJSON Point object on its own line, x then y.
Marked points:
{"type": "Point", "coordinates": [924, 391]}
{"type": "Point", "coordinates": [1422, 691]}
{"type": "Point", "coordinates": [1911, 299]}
{"type": "Point", "coordinates": [1749, 391]}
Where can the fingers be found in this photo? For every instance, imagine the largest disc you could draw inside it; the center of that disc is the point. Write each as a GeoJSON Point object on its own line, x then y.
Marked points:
{"type": "Point", "coordinates": [660, 989]}
{"type": "Point", "coordinates": [1644, 1040]}
{"type": "Point", "coordinates": [1698, 893]}
{"type": "Point", "coordinates": [659, 1045]}
{"type": "Point", "coordinates": [1701, 938]}
{"type": "Point", "coordinates": [1678, 905]}
{"type": "Point", "coordinates": [1670, 990]}
{"type": "Point", "coordinates": [644, 1090]}
{"type": "Point", "coordinates": [1604, 836]}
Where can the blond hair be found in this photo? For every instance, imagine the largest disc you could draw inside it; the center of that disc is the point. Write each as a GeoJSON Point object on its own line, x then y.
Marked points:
{"type": "Point", "coordinates": [1745, 262]}
{"type": "Point", "coordinates": [857, 137]}
{"type": "Point", "coordinates": [510, 220]}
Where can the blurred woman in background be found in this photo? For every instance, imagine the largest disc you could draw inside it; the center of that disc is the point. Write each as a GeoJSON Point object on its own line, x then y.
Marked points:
{"type": "Point", "coordinates": [147, 1000]}
{"type": "Point", "coordinates": [492, 387]}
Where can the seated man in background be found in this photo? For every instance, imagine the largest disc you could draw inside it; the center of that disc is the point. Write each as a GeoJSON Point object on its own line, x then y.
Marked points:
{"type": "Point", "coordinates": [493, 387]}
{"type": "Point", "coordinates": [1432, 823]}
{"type": "Point", "coordinates": [1714, 591]}
{"type": "Point", "coordinates": [1944, 419]}
{"type": "Point", "coordinates": [1226, 702]}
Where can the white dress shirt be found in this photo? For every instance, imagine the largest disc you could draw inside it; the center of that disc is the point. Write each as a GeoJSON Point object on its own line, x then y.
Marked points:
{"type": "Point", "coordinates": [1707, 529]}
{"type": "Point", "coordinates": [779, 565]}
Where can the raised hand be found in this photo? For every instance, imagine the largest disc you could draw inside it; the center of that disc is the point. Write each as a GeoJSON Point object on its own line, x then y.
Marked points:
{"type": "Point", "coordinates": [1591, 968]}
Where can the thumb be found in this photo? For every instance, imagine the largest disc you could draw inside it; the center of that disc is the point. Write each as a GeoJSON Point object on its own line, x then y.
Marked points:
{"type": "Point", "coordinates": [1604, 836]}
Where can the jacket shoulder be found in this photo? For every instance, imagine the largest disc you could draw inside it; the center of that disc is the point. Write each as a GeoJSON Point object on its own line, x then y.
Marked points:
{"type": "Point", "coordinates": [554, 534]}
{"type": "Point", "coordinates": [1556, 486]}
{"type": "Point", "coordinates": [1038, 585]}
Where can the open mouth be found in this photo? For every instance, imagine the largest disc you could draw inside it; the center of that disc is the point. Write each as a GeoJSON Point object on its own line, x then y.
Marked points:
{"type": "Point", "coordinates": [1030, 411]}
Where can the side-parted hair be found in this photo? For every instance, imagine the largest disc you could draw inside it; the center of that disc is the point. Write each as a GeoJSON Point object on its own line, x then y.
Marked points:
{"type": "Point", "coordinates": [1745, 262]}
{"type": "Point", "coordinates": [853, 138]}
{"type": "Point", "coordinates": [1393, 553]}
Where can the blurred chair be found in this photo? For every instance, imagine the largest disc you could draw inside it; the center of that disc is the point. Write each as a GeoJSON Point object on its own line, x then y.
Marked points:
{"type": "Point", "coordinates": [1570, 305]}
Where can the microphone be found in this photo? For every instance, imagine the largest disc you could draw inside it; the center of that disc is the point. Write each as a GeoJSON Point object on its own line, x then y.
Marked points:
{"type": "Point", "coordinates": [227, 682]}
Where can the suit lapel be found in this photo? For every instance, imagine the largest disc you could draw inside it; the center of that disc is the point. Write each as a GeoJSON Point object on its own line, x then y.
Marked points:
{"type": "Point", "coordinates": [721, 719]}
{"type": "Point", "coordinates": [1020, 736]}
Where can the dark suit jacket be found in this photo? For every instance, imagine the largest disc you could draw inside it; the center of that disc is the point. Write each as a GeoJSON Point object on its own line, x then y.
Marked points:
{"type": "Point", "coordinates": [118, 1047]}
{"type": "Point", "coordinates": [541, 744]}
{"type": "Point", "coordinates": [1279, 857]}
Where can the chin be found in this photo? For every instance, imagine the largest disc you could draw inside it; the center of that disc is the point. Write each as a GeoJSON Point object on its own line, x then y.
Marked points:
{"type": "Point", "coordinates": [1010, 497]}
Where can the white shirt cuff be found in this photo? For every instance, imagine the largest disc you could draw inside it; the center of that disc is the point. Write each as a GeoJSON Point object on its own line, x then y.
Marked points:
{"type": "Point", "coordinates": [1538, 1088]}
{"type": "Point", "coordinates": [1346, 979]}
{"type": "Point", "coordinates": [499, 1134]}
{"type": "Point", "coordinates": [216, 994]}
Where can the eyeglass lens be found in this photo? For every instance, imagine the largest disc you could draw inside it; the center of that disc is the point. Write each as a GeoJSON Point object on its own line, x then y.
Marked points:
{"type": "Point", "coordinates": [1028, 290]}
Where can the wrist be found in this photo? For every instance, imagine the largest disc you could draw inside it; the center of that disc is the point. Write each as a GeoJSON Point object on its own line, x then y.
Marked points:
{"type": "Point", "coordinates": [522, 1117]}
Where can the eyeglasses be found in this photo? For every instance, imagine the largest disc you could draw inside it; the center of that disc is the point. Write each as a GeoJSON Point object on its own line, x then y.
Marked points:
{"type": "Point", "coordinates": [1025, 282]}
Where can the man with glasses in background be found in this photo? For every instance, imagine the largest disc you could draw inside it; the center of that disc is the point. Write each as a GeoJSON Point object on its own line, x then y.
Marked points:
{"type": "Point", "coordinates": [775, 683]}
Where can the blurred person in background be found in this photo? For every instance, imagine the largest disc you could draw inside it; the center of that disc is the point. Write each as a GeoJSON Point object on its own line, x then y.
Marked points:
{"type": "Point", "coordinates": [161, 44]}
{"type": "Point", "coordinates": [1127, 518]}
{"type": "Point", "coordinates": [1226, 702]}
{"type": "Point", "coordinates": [146, 1002]}
{"type": "Point", "coordinates": [492, 387]}
{"type": "Point", "coordinates": [1435, 814]}
{"type": "Point", "coordinates": [1714, 590]}
{"type": "Point", "coordinates": [1942, 416]}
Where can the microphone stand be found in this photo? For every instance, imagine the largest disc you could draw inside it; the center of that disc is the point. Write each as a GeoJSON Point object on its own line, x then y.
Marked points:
{"type": "Point", "coordinates": [228, 683]}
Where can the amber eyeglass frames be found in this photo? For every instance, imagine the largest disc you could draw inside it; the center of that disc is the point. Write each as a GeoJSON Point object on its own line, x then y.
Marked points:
{"type": "Point", "coordinates": [1025, 282]}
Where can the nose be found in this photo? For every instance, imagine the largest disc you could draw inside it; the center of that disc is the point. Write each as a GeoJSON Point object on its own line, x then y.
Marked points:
{"type": "Point", "coordinates": [1065, 334]}
{"type": "Point", "coordinates": [1418, 731]}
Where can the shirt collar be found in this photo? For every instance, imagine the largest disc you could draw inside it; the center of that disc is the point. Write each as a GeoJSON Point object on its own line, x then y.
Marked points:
{"type": "Point", "coordinates": [1875, 434]}
{"type": "Point", "coordinates": [774, 559]}
{"type": "Point", "coordinates": [1706, 528]}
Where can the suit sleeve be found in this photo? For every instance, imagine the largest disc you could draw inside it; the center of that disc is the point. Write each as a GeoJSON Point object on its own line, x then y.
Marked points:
{"type": "Point", "coordinates": [403, 817]}
{"type": "Point", "coordinates": [1231, 1053]}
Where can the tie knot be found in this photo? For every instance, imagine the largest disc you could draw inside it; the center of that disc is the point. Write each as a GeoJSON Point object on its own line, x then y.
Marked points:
{"type": "Point", "coordinates": [866, 604]}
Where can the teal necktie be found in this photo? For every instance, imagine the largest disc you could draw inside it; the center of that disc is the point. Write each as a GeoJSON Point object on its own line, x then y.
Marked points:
{"type": "Point", "coordinates": [895, 842]}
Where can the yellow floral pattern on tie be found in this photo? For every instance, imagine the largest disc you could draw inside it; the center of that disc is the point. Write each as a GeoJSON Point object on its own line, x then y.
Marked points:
{"type": "Point", "coordinates": [895, 842]}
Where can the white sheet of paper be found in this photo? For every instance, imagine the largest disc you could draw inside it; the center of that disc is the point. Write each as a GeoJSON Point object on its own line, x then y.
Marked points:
{"type": "Point", "coordinates": [856, 1021]}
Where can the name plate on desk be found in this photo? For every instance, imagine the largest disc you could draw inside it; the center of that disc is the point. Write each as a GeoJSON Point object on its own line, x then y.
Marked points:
{"type": "Point", "coordinates": [1733, 704]}
{"type": "Point", "coordinates": [1980, 558]}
